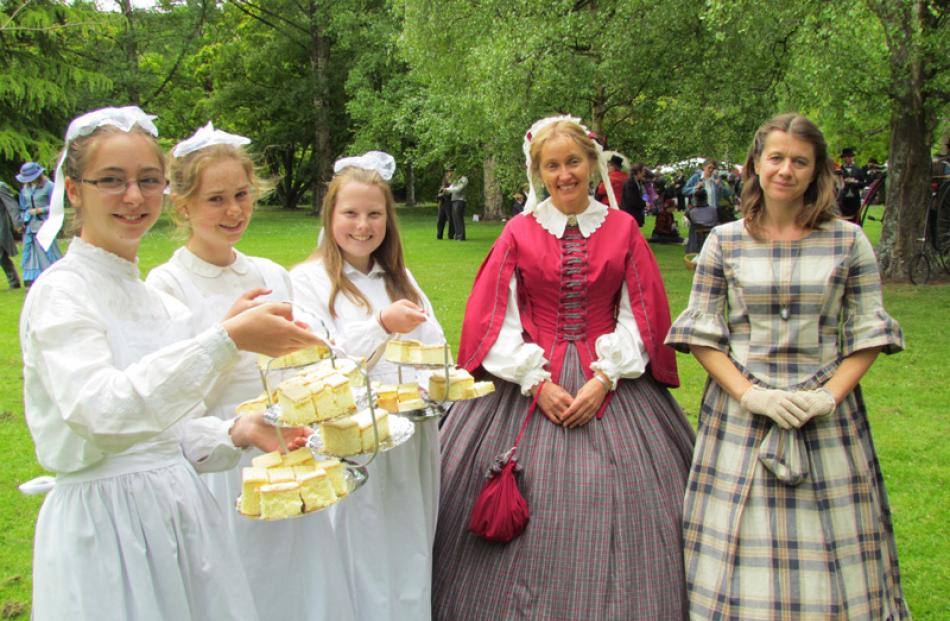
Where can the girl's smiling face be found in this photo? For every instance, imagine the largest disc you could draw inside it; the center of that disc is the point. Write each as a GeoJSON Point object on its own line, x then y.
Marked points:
{"type": "Point", "coordinates": [359, 223]}
{"type": "Point", "coordinates": [117, 222]}
{"type": "Point", "coordinates": [219, 211]}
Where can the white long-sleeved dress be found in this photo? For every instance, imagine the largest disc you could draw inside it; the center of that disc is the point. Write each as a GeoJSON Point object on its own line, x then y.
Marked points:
{"type": "Point", "coordinates": [387, 528]}
{"type": "Point", "coordinates": [114, 386]}
{"type": "Point", "coordinates": [292, 565]}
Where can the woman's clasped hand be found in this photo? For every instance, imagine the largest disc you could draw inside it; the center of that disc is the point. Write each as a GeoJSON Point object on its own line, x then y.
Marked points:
{"type": "Point", "coordinates": [562, 408]}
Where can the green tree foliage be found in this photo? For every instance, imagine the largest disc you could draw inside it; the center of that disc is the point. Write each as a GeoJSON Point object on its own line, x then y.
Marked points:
{"type": "Point", "coordinates": [41, 84]}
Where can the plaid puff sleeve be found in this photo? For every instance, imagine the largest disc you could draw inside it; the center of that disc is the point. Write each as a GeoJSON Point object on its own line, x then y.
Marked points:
{"type": "Point", "coordinates": [704, 320]}
{"type": "Point", "coordinates": [864, 322]}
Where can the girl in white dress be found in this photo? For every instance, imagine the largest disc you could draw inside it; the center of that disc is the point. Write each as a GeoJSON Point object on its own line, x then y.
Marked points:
{"type": "Point", "coordinates": [292, 565]}
{"type": "Point", "coordinates": [357, 284]}
{"type": "Point", "coordinates": [115, 381]}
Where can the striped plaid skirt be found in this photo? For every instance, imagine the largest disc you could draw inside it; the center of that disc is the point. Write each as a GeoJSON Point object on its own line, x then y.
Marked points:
{"type": "Point", "coordinates": [604, 538]}
{"type": "Point", "coordinates": [816, 546]}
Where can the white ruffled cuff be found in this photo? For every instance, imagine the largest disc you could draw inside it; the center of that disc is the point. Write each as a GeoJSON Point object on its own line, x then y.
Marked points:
{"type": "Point", "coordinates": [207, 445]}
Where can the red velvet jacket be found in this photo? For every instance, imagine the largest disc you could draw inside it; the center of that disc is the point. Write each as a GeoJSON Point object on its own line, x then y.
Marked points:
{"type": "Point", "coordinates": [617, 253]}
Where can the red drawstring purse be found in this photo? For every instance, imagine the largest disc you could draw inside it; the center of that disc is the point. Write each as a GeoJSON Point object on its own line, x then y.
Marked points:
{"type": "Point", "coordinates": [500, 512]}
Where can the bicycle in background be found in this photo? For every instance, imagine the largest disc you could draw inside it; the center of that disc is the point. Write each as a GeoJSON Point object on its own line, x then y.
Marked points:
{"type": "Point", "coordinates": [935, 244]}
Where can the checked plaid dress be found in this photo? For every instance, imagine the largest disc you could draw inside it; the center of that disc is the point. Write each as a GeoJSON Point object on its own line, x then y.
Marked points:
{"type": "Point", "coordinates": [788, 525]}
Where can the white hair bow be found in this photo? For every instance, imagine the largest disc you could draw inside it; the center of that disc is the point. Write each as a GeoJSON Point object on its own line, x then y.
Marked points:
{"type": "Point", "coordinates": [531, 202]}
{"type": "Point", "coordinates": [124, 118]}
{"type": "Point", "coordinates": [383, 163]}
{"type": "Point", "coordinates": [205, 137]}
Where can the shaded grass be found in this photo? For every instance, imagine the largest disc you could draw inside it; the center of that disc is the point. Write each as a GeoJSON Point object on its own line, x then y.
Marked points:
{"type": "Point", "coordinates": [907, 394]}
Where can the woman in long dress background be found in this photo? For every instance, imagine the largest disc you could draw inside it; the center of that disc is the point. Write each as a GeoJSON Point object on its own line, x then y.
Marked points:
{"type": "Point", "coordinates": [569, 302]}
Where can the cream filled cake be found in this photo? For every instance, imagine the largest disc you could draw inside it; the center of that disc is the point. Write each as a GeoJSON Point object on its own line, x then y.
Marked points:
{"type": "Point", "coordinates": [352, 435]}
{"type": "Point", "coordinates": [316, 490]}
{"type": "Point", "coordinates": [459, 382]}
{"type": "Point", "coordinates": [251, 481]}
{"type": "Point", "coordinates": [280, 500]}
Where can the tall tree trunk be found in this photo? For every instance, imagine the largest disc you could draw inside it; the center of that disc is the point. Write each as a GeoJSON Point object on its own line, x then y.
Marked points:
{"type": "Point", "coordinates": [912, 126]}
{"type": "Point", "coordinates": [319, 61]}
{"type": "Point", "coordinates": [410, 185]}
{"type": "Point", "coordinates": [131, 52]}
{"type": "Point", "coordinates": [494, 205]}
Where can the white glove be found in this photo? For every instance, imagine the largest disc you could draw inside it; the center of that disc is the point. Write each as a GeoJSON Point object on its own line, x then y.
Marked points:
{"type": "Point", "coordinates": [820, 402]}
{"type": "Point", "coordinates": [787, 409]}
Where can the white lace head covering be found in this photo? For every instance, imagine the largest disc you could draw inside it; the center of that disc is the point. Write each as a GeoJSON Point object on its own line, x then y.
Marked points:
{"type": "Point", "coordinates": [532, 201]}
{"type": "Point", "coordinates": [383, 163]}
{"type": "Point", "coordinates": [205, 137]}
{"type": "Point", "coordinates": [124, 118]}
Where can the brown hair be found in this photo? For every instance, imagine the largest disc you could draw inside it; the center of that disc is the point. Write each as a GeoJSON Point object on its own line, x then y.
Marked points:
{"type": "Point", "coordinates": [80, 151]}
{"type": "Point", "coordinates": [562, 128]}
{"type": "Point", "coordinates": [185, 175]}
{"type": "Point", "coordinates": [388, 256]}
{"type": "Point", "coordinates": [819, 200]}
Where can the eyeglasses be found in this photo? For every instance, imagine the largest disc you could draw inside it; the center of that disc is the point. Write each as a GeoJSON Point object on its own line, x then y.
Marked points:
{"type": "Point", "coordinates": [148, 186]}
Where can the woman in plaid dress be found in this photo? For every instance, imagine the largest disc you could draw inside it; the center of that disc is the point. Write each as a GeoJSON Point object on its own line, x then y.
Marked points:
{"type": "Point", "coordinates": [786, 515]}
{"type": "Point", "coordinates": [568, 305]}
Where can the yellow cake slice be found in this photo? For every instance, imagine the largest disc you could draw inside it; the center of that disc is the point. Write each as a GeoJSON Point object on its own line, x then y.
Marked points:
{"type": "Point", "coordinates": [304, 468]}
{"type": "Point", "coordinates": [337, 473]}
{"type": "Point", "coordinates": [268, 460]}
{"type": "Point", "coordinates": [365, 421]}
{"type": "Point", "coordinates": [343, 366]}
{"type": "Point", "coordinates": [459, 382]}
{"type": "Point", "coordinates": [479, 389]}
{"type": "Point", "coordinates": [280, 500]}
{"type": "Point", "coordinates": [342, 395]}
{"type": "Point", "coordinates": [341, 436]}
{"type": "Point", "coordinates": [298, 456]}
{"type": "Point", "coordinates": [296, 404]}
{"type": "Point", "coordinates": [257, 404]}
{"type": "Point", "coordinates": [301, 357]}
{"type": "Point", "coordinates": [387, 397]}
{"type": "Point", "coordinates": [280, 475]}
{"type": "Point", "coordinates": [251, 481]}
{"type": "Point", "coordinates": [434, 354]}
{"type": "Point", "coordinates": [411, 404]}
{"type": "Point", "coordinates": [316, 490]}
{"type": "Point", "coordinates": [406, 351]}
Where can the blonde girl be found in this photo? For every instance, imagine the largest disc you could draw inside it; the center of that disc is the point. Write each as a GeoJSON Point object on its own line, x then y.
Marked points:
{"type": "Point", "coordinates": [214, 187]}
{"type": "Point", "coordinates": [357, 284]}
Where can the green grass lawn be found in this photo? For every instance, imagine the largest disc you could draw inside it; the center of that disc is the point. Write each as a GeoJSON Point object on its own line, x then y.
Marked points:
{"type": "Point", "coordinates": [907, 394]}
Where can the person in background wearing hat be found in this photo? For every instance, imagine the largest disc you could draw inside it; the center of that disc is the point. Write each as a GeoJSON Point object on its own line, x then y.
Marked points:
{"type": "Point", "coordinates": [10, 223]}
{"type": "Point", "coordinates": [34, 209]}
{"type": "Point", "coordinates": [849, 197]}
{"type": "Point", "coordinates": [456, 192]}
{"type": "Point", "coordinates": [617, 178]}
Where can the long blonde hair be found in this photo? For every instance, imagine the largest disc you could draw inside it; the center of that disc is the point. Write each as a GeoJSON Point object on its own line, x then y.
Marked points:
{"type": "Point", "coordinates": [388, 255]}
{"type": "Point", "coordinates": [819, 200]}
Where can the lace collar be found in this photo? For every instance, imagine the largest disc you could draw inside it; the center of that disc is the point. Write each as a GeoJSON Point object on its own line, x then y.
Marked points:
{"type": "Point", "coordinates": [104, 260]}
{"type": "Point", "coordinates": [554, 221]}
{"type": "Point", "coordinates": [196, 265]}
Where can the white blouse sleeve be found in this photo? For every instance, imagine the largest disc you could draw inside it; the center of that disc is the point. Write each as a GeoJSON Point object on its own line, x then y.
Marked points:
{"type": "Point", "coordinates": [621, 353]}
{"type": "Point", "coordinates": [112, 408]}
{"type": "Point", "coordinates": [206, 443]}
{"type": "Point", "coordinates": [511, 358]}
